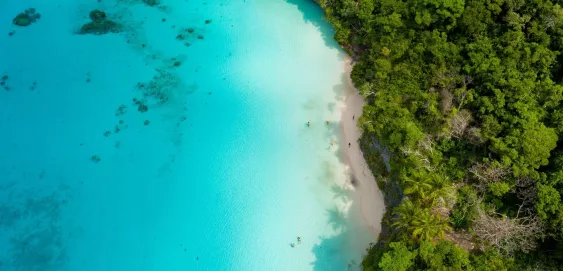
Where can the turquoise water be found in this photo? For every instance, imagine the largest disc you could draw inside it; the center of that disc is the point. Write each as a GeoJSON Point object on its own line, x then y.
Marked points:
{"type": "Point", "coordinates": [221, 172]}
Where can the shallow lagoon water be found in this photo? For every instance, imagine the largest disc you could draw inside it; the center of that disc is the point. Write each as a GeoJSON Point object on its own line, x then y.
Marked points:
{"type": "Point", "coordinates": [223, 176]}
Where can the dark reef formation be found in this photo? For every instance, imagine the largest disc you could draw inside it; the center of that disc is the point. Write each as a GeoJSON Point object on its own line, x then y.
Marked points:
{"type": "Point", "coordinates": [100, 24]}
{"type": "Point", "coordinates": [95, 158]}
{"type": "Point", "coordinates": [26, 18]}
{"type": "Point", "coordinates": [97, 15]}
{"type": "Point", "coordinates": [151, 3]}
{"type": "Point", "coordinates": [122, 109]}
{"type": "Point", "coordinates": [4, 82]}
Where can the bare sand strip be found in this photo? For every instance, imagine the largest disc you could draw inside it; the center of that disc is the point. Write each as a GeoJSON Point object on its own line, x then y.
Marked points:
{"type": "Point", "coordinates": [367, 194]}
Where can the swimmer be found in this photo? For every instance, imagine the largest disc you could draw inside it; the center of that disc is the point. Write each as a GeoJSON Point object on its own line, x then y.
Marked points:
{"type": "Point", "coordinates": [299, 239]}
{"type": "Point", "coordinates": [349, 144]}
{"type": "Point", "coordinates": [292, 244]}
{"type": "Point", "coordinates": [327, 122]}
{"type": "Point", "coordinates": [332, 143]}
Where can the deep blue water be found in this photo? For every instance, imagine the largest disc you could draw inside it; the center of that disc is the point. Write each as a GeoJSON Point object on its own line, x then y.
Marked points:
{"type": "Point", "coordinates": [220, 173]}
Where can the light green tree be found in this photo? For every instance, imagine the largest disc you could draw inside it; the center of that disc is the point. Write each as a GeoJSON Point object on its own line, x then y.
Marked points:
{"type": "Point", "coordinates": [399, 258]}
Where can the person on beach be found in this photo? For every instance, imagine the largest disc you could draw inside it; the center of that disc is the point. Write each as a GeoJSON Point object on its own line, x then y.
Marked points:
{"type": "Point", "coordinates": [327, 122]}
{"type": "Point", "coordinates": [354, 116]}
{"type": "Point", "coordinates": [349, 144]}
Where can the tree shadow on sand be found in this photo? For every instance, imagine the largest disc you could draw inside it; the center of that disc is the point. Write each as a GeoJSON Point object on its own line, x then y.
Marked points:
{"type": "Point", "coordinates": [340, 193]}
{"type": "Point", "coordinates": [344, 250]}
{"type": "Point", "coordinates": [313, 14]}
{"type": "Point", "coordinates": [330, 256]}
{"type": "Point", "coordinates": [336, 252]}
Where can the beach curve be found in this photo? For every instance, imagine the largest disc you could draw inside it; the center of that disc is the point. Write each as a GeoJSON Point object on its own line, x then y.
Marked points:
{"type": "Point", "coordinates": [371, 205]}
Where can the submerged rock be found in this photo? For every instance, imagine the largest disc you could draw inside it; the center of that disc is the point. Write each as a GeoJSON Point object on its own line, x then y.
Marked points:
{"type": "Point", "coordinates": [22, 20]}
{"type": "Point", "coordinates": [151, 3]}
{"type": "Point", "coordinates": [26, 18]}
{"type": "Point", "coordinates": [143, 108]}
{"type": "Point", "coordinates": [100, 28]}
{"type": "Point", "coordinates": [100, 24]}
{"type": "Point", "coordinates": [95, 158]}
{"type": "Point", "coordinates": [121, 110]}
{"type": "Point", "coordinates": [97, 15]}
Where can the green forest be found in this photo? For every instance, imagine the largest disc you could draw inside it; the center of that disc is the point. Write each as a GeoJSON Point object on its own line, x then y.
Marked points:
{"type": "Point", "coordinates": [462, 127]}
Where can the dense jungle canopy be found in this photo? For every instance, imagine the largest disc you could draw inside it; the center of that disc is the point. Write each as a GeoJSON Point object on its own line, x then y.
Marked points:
{"type": "Point", "coordinates": [465, 97]}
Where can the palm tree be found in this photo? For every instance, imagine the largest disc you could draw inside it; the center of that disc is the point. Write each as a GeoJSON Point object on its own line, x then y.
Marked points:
{"type": "Point", "coordinates": [443, 192]}
{"type": "Point", "coordinates": [426, 226]}
{"type": "Point", "coordinates": [429, 188]}
{"type": "Point", "coordinates": [442, 196]}
{"type": "Point", "coordinates": [405, 213]}
{"type": "Point", "coordinates": [419, 223]}
{"type": "Point", "coordinates": [418, 185]}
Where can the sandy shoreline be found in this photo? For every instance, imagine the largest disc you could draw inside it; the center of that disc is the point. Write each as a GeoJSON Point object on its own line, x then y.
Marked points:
{"type": "Point", "coordinates": [370, 205]}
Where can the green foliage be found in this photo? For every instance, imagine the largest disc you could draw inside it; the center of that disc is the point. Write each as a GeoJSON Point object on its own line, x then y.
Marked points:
{"type": "Point", "coordinates": [428, 188]}
{"type": "Point", "coordinates": [398, 258]}
{"type": "Point", "coordinates": [550, 209]}
{"type": "Point", "coordinates": [449, 85]}
{"type": "Point", "coordinates": [419, 223]}
{"type": "Point", "coordinates": [499, 189]}
{"type": "Point", "coordinates": [491, 261]}
{"type": "Point", "coordinates": [549, 201]}
{"type": "Point", "coordinates": [442, 255]}
{"type": "Point", "coordinates": [465, 209]}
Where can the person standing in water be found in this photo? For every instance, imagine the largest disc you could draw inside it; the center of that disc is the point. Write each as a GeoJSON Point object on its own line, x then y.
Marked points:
{"type": "Point", "coordinates": [308, 124]}
{"type": "Point", "coordinates": [349, 144]}
{"type": "Point", "coordinates": [354, 116]}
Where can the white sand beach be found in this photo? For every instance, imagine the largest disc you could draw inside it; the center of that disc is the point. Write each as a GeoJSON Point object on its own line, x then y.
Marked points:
{"type": "Point", "coordinates": [370, 199]}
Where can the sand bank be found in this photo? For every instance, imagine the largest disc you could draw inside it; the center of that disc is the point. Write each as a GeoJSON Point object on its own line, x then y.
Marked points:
{"type": "Point", "coordinates": [370, 204]}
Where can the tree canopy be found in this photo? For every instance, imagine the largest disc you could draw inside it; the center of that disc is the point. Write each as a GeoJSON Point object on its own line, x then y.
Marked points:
{"type": "Point", "coordinates": [466, 97]}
